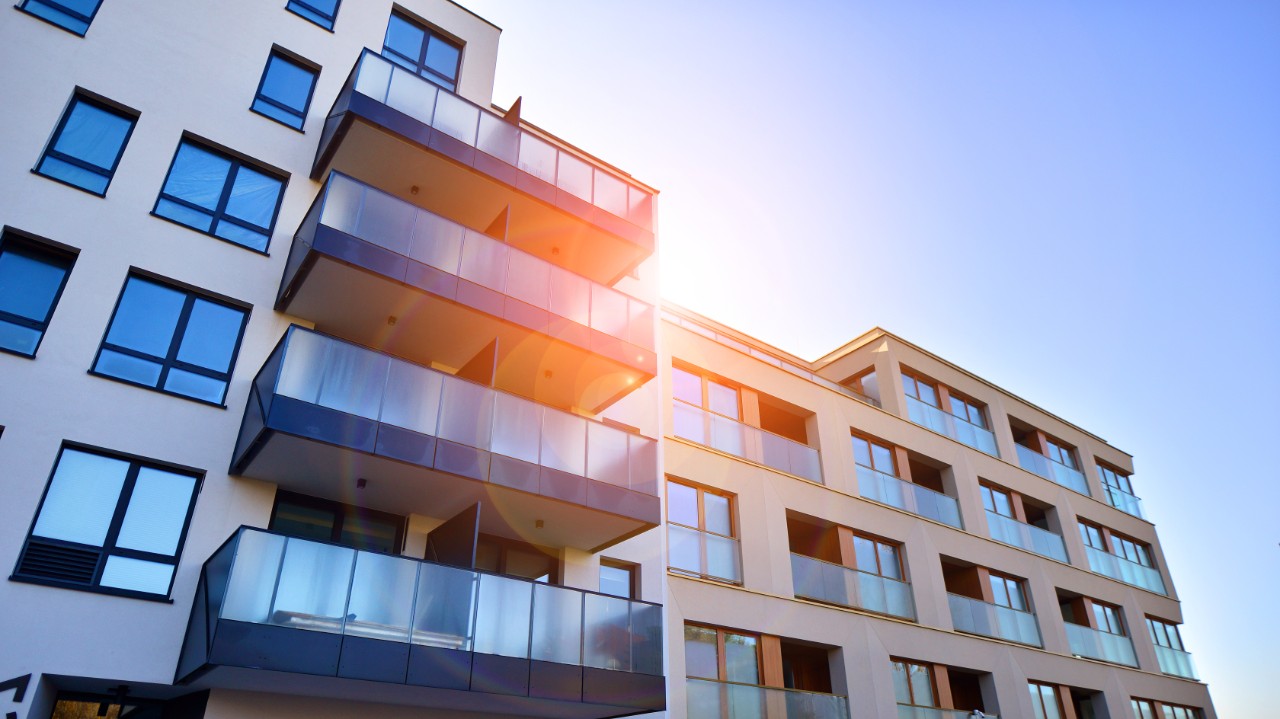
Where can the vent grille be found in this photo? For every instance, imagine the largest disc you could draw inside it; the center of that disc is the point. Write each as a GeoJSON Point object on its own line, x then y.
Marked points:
{"type": "Point", "coordinates": [56, 561]}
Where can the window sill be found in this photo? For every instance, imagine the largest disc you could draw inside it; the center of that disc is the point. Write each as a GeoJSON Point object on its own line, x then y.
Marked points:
{"type": "Point", "coordinates": [92, 589]}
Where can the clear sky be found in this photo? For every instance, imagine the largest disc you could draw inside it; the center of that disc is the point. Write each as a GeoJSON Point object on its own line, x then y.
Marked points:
{"type": "Point", "coordinates": [1079, 201]}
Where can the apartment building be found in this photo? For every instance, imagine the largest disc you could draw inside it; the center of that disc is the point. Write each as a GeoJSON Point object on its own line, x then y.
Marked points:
{"type": "Point", "coordinates": [882, 534]}
{"type": "Point", "coordinates": [327, 383]}
{"type": "Point", "coordinates": [331, 389]}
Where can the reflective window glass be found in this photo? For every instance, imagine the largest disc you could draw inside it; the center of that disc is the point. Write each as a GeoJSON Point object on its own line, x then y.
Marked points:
{"type": "Point", "coordinates": [321, 12]}
{"type": "Point", "coordinates": [31, 280]}
{"type": "Point", "coordinates": [285, 91]}
{"type": "Point", "coordinates": [415, 47]}
{"type": "Point", "coordinates": [71, 15]}
{"type": "Point", "coordinates": [221, 196]}
{"type": "Point", "coordinates": [617, 580]}
{"type": "Point", "coordinates": [87, 145]}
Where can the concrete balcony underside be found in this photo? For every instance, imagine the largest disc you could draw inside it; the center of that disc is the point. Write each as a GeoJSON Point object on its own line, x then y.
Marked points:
{"type": "Point", "coordinates": [306, 447]}
{"type": "Point", "coordinates": [400, 151]}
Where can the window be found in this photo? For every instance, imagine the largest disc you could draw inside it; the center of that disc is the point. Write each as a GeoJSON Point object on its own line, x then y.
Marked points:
{"type": "Point", "coordinates": [1107, 617]}
{"type": "Point", "coordinates": [1115, 480]}
{"type": "Point", "coordinates": [71, 15]}
{"type": "Point", "coordinates": [1144, 709]}
{"type": "Point", "coordinates": [968, 410]}
{"type": "Point", "coordinates": [1007, 592]}
{"type": "Point", "coordinates": [913, 683]}
{"type": "Point", "coordinates": [619, 579]}
{"type": "Point", "coordinates": [1173, 711]}
{"type": "Point", "coordinates": [172, 340]}
{"type": "Point", "coordinates": [1044, 700]}
{"type": "Point", "coordinates": [919, 389]}
{"type": "Point", "coordinates": [109, 522]}
{"type": "Point", "coordinates": [996, 501]}
{"type": "Point", "coordinates": [866, 385]}
{"type": "Point", "coordinates": [706, 393]}
{"type": "Point", "coordinates": [876, 556]}
{"type": "Point", "coordinates": [1132, 550]}
{"type": "Point", "coordinates": [874, 456]}
{"type": "Point", "coordinates": [517, 559]}
{"type": "Point", "coordinates": [1092, 536]}
{"type": "Point", "coordinates": [284, 94]}
{"type": "Point", "coordinates": [321, 12]}
{"type": "Point", "coordinates": [415, 47]}
{"type": "Point", "coordinates": [87, 145]}
{"type": "Point", "coordinates": [1165, 634]}
{"type": "Point", "coordinates": [1061, 453]}
{"type": "Point", "coordinates": [701, 533]}
{"type": "Point", "coordinates": [721, 655]}
{"type": "Point", "coordinates": [219, 195]}
{"type": "Point", "coordinates": [298, 515]}
{"type": "Point", "coordinates": [32, 276]}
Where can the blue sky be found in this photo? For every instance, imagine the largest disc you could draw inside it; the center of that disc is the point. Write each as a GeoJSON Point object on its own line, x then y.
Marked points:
{"type": "Point", "coordinates": [1079, 201]}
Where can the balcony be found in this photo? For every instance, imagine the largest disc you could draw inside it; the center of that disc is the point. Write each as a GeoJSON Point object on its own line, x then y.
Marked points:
{"type": "Point", "coordinates": [1037, 463]}
{"type": "Point", "coordinates": [705, 555]}
{"type": "Point", "coordinates": [1127, 571]}
{"type": "Point", "coordinates": [909, 711]}
{"type": "Point", "coordinates": [1123, 501]}
{"type": "Point", "coordinates": [1103, 646]}
{"type": "Point", "coordinates": [400, 132]}
{"type": "Point", "coordinates": [961, 430]}
{"type": "Point", "coordinates": [837, 584]}
{"type": "Point", "coordinates": [887, 489]}
{"type": "Point", "coordinates": [973, 616]}
{"type": "Point", "coordinates": [295, 616]}
{"type": "Point", "coordinates": [323, 413]}
{"type": "Point", "coordinates": [1027, 536]}
{"type": "Point", "coordinates": [362, 256]}
{"type": "Point", "coordinates": [742, 440]}
{"type": "Point", "coordinates": [728, 700]}
{"type": "Point", "coordinates": [1176, 662]}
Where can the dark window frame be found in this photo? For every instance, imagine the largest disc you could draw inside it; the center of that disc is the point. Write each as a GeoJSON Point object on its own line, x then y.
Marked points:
{"type": "Point", "coordinates": [339, 510]}
{"type": "Point", "coordinates": [77, 96]}
{"type": "Point", "coordinates": [308, 7]}
{"type": "Point", "coordinates": [170, 360]}
{"type": "Point", "coordinates": [37, 245]}
{"type": "Point", "coordinates": [420, 67]}
{"type": "Point", "coordinates": [108, 548]}
{"type": "Point", "coordinates": [59, 7]}
{"type": "Point", "coordinates": [294, 58]}
{"type": "Point", "coordinates": [218, 214]}
{"type": "Point", "coordinates": [504, 547]}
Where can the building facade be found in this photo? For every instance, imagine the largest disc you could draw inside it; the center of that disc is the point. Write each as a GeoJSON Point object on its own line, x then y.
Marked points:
{"type": "Point", "coordinates": [332, 388]}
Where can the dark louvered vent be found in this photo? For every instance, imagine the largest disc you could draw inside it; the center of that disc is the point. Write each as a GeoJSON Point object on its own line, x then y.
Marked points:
{"type": "Point", "coordinates": [55, 561]}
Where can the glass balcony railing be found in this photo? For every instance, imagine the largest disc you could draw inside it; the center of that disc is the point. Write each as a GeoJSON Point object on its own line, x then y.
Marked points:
{"type": "Point", "coordinates": [895, 492]}
{"type": "Point", "coordinates": [961, 430]}
{"type": "Point", "coordinates": [500, 140]}
{"type": "Point", "coordinates": [348, 613]}
{"type": "Point", "coordinates": [384, 395]}
{"type": "Point", "coordinates": [1123, 501]}
{"type": "Point", "coordinates": [1104, 646]}
{"type": "Point", "coordinates": [703, 554]}
{"type": "Point", "coordinates": [992, 620]}
{"type": "Point", "coordinates": [726, 700]}
{"type": "Point", "coordinates": [1027, 536]}
{"type": "Point", "coordinates": [1125, 570]}
{"type": "Point", "coordinates": [909, 711]}
{"type": "Point", "coordinates": [421, 241]}
{"type": "Point", "coordinates": [1176, 662]}
{"type": "Point", "coordinates": [742, 440]}
{"type": "Point", "coordinates": [836, 584]}
{"type": "Point", "coordinates": [1037, 463]}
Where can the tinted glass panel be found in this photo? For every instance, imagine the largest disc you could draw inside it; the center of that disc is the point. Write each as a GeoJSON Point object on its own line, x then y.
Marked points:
{"type": "Point", "coordinates": [320, 12]}
{"type": "Point", "coordinates": [216, 194]}
{"type": "Point", "coordinates": [86, 146]}
{"type": "Point", "coordinates": [29, 283]}
{"type": "Point", "coordinates": [73, 15]}
{"type": "Point", "coordinates": [147, 317]}
{"type": "Point", "coordinates": [286, 90]}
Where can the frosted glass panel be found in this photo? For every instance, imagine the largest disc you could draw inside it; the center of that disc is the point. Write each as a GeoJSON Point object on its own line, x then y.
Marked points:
{"type": "Point", "coordinates": [82, 498]}
{"type": "Point", "coordinates": [136, 575]}
{"type": "Point", "coordinates": [515, 428]}
{"type": "Point", "coordinates": [442, 614]}
{"type": "Point", "coordinates": [502, 620]}
{"type": "Point", "coordinates": [557, 624]}
{"type": "Point", "coordinates": [607, 643]}
{"type": "Point", "coordinates": [312, 593]}
{"type": "Point", "coordinates": [253, 577]}
{"type": "Point", "coordinates": [157, 511]}
{"type": "Point", "coordinates": [412, 400]}
{"type": "Point", "coordinates": [381, 601]}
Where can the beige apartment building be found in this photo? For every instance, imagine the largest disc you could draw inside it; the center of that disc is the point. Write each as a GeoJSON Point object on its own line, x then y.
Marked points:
{"type": "Point", "coordinates": [331, 388]}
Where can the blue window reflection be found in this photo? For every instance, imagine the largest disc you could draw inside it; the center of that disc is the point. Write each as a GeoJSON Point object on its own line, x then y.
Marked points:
{"type": "Point", "coordinates": [285, 91]}
{"type": "Point", "coordinates": [31, 280]}
{"type": "Point", "coordinates": [87, 145]}
{"type": "Point", "coordinates": [173, 340]}
{"type": "Point", "coordinates": [320, 12]}
{"type": "Point", "coordinates": [72, 15]}
{"type": "Point", "coordinates": [221, 196]}
{"type": "Point", "coordinates": [414, 47]}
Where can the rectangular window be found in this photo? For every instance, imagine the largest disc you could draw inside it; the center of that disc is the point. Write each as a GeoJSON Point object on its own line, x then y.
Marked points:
{"type": "Point", "coordinates": [619, 579]}
{"type": "Point", "coordinates": [1165, 634]}
{"type": "Point", "coordinates": [707, 393]}
{"type": "Point", "coordinates": [997, 501]}
{"type": "Point", "coordinates": [299, 515]}
{"type": "Point", "coordinates": [1114, 479]}
{"type": "Point", "coordinates": [1173, 711]}
{"type": "Point", "coordinates": [517, 559]}
{"type": "Point", "coordinates": [920, 389]}
{"type": "Point", "coordinates": [721, 655]}
{"type": "Point", "coordinates": [877, 556]}
{"type": "Point", "coordinates": [866, 385]}
{"type": "Point", "coordinates": [415, 47]}
{"type": "Point", "coordinates": [1132, 550]}
{"type": "Point", "coordinates": [1044, 701]}
{"type": "Point", "coordinates": [87, 145]}
{"type": "Point", "coordinates": [71, 15]}
{"type": "Point", "coordinates": [1007, 592]}
{"type": "Point", "coordinates": [220, 195]}
{"type": "Point", "coordinates": [1061, 453]}
{"type": "Point", "coordinates": [1092, 536]}
{"type": "Point", "coordinates": [32, 276]}
{"type": "Point", "coordinates": [699, 509]}
{"type": "Point", "coordinates": [701, 531]}
{"type": "Point", "coordinates": [1107, 617]}
{"type": "Point", "coordinates": [284, 93]}
{"type": "Point", "coordinates": [1144, 709]}
{"type": "Point", "coordinates": [913, 683]}
{"type": "Point", "coordinates": [110, 522]}
{"type": "Point", "coordinates": [874, 455]}
{"type": "Point", "coordinates": [968, 410]}
{"type": "Point", "coordinates": [172, 340]}
{"type": "Point", "coordinates": [321, 12]}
